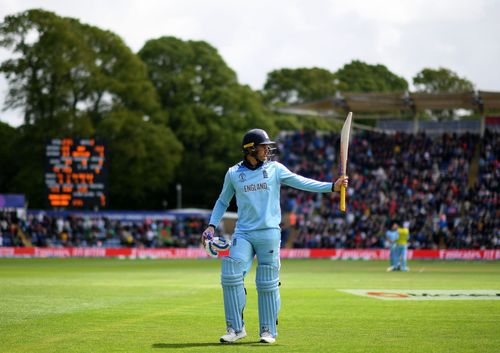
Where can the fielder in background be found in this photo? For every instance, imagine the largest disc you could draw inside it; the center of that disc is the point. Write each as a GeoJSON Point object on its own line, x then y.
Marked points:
{"type": "Point", "coordinates": [391, 236]}
{"type": "Point", "coordinates": [398, 239]}
{"type": "Point", "coordinates": [256, 182]}
{"type": "Point", "coordinates": [402, 246]}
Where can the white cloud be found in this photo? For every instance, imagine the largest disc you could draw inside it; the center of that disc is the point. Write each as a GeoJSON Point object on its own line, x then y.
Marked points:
{"type": "Point", "coordinates": [405, 12]}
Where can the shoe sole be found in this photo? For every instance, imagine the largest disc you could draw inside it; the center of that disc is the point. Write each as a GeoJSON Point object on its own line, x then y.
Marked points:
{"type": "Point", "coordinates": [268, 342]}
{"type": "Point", "coordinates": [222, 340]}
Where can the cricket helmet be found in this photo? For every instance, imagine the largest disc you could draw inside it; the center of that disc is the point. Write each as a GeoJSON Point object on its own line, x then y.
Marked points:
{"type": "Point", "coordinates": [255, 137]}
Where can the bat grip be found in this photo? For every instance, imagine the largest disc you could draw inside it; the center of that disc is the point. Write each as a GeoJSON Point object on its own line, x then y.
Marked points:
{"type": "Point", "coordinates": [342, 197]}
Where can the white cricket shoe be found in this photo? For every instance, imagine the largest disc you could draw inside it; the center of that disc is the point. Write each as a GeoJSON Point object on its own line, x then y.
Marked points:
{"type": "Point", "coordinates": [390, 269]}
{"type": "Point", "coordinates": [266, 337]}
{"type": "Point", "coordinates": [233, 336]}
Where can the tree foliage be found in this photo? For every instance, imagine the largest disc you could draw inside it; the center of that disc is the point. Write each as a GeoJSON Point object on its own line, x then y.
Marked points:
{"type": "Point", "coordinates": [291, 86]}
{"type": "Point", "coordinates": [8, 136]}
{"type": "Point", "coordinates": [209, 111]}
{"type": "Point", "coordinates": [441, 80]}
{"type": "Point", "coordinates": [73, 79]}
{"type": "Point", "coordinates": [152, 153]}
{"type": "Point", "coordinates": [358, 76]}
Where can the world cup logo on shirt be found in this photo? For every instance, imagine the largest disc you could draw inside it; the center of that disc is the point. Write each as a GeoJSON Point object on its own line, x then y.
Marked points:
{"type": "Point", "coordinates": [264, 174]}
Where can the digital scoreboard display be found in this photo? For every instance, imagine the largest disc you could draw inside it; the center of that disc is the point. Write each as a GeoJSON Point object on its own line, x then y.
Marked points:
{"type": "Point", "coordinates": [76, 173]}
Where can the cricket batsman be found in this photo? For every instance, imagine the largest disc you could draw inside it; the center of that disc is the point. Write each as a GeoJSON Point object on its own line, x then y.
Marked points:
{"type": "Point", "coordinates": [256, 182]}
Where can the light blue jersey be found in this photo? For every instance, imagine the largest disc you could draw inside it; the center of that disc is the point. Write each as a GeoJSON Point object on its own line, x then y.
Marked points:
{"type": "Point", "coordinates": [258, 194]}
{"type": "Point", "coordinates": [392, 236]}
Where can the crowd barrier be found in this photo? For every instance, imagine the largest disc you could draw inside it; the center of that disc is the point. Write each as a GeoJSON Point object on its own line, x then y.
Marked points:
{"type": "Point", "coordinates": [195, 253]}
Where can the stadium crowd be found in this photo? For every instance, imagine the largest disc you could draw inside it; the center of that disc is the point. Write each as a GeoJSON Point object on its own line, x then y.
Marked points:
{"type": "Point", "coordinates": [46, 231]}
{"type": "Point", "coordinates": [410, 178]}
{"type": "Point", "coordinates": [446, 188]}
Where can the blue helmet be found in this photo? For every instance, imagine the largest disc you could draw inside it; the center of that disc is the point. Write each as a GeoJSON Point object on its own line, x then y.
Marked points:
{"type": "Point", "coordinates": [255, 137]}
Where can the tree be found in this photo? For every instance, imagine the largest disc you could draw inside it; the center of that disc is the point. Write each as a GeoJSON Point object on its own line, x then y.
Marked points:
{"type": "Point", "coordinates": [8, 136]}
{"type": "Point", "coordinates": [358, 76]}
{"type": "Point", "coordinates": [208, 111]}
{"type": "Point", "coordinates": [73, 79]}
{"type": "Point", "coordinates": [293, 86]}
{"type": "Point", "coordinates": [143, 159]}
{"type": "Point", "coordinates": [69, 70]}
{"type": "Point", "coordinates": [38, 76]}
{"type": "Point", "coordinates": [441, 80]}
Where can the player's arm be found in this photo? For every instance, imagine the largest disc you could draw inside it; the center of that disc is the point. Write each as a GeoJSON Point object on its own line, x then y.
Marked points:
{"type": "Point", "coordinates": [390, 236]}
{"type": "Point", "coordinates": [302, 183]}
{"type": "Point", "coordinates": [220, 207]}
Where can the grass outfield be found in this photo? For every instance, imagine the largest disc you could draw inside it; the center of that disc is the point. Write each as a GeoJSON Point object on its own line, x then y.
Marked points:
{"type": "Point", "coordinates": [111, 305]}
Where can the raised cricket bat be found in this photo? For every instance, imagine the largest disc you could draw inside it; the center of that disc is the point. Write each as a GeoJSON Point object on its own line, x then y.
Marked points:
{"type": "Point", "coordinates": [344, 148]}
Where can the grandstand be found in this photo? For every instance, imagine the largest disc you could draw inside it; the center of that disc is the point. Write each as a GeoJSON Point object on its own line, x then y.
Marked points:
{"type": "Point", "coordinates": [440, 176]}
{"type": "Point", "coordinates": [446, 188]}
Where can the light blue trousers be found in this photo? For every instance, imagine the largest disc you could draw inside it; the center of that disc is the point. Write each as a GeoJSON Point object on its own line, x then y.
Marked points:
{"type": "Point", "coordinates": [401, 256]}
{"type": "Point", "coordinates": [265, 244]}
{"type": "Point", "coordinates": [393, 256]}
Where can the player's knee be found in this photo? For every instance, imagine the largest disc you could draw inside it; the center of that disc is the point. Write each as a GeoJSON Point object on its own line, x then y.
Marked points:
{"type": "Point", "coordinates": [232, 272]}
{"type": "Point", "coordinates": [267, 278]}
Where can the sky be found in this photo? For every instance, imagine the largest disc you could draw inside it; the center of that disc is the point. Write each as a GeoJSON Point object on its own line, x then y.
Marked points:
{"type": "Point", "coordinates": [259, 36]}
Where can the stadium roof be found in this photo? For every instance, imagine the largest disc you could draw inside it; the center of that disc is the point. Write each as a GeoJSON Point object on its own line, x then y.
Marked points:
{"type": "Point", "coordinates": [481, 101]}
{"type": "Point", "coordinates": [489, 100]}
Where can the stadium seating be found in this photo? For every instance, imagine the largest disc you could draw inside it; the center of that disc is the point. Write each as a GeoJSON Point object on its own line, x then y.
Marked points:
{"type": "Point", "coordinates": [425, 181]}
{"type": "Point", "coordinates": [86, 231]}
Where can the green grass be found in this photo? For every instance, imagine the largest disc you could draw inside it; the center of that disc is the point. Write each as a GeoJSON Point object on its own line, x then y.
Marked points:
{"type": "Point", "coordinates": [111, 305]}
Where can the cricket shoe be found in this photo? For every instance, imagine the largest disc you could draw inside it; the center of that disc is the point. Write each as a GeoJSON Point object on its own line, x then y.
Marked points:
{"type": "Point", "coordinates": [266, 337]}
{"type": "Point", "coordinates": [233, 336]}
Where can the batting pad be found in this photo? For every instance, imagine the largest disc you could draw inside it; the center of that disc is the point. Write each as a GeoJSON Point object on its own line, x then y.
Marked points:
{"type": "Point", "coordinates": [234, 292]}
{"type": "Point", "coordinates": [267, 282]}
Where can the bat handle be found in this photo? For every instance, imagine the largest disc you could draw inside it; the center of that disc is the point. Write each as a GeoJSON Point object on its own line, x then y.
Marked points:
{"type": "Point", "coordinates": [342, 197]}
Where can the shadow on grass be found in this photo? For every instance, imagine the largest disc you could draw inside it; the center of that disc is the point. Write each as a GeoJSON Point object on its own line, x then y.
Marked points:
{"type": "Point", "coordinates": [208, 344]}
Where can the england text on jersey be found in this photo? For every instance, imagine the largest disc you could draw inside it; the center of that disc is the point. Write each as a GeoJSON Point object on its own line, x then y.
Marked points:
{"type": "Point", "coordinates": [255, 187]}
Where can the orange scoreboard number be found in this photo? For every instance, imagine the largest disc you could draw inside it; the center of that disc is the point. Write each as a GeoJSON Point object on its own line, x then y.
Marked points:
{"type": "Point", "coordinates": [76, 173]}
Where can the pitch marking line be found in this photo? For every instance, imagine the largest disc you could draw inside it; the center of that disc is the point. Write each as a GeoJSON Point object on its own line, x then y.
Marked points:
{"type": "Point", "coordinates": [428, 294]}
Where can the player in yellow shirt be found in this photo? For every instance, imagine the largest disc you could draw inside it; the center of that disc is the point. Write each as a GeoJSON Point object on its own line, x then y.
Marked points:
{"type": "Point", "coordinates": [402, 247]}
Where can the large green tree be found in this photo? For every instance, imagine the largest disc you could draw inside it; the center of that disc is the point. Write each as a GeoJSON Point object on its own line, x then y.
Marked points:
{"type": "Point", "coordinates": [209, 111]}
{"type": "Point", "coordinates": [358, 76]}
{"type": "Point", "coordinates": [291, 86]}
{"type": "Point", "coordinates": [73, 79]}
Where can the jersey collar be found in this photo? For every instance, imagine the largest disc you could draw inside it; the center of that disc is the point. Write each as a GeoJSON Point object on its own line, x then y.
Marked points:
{"type": "Point", "coordinates": [247, 164]}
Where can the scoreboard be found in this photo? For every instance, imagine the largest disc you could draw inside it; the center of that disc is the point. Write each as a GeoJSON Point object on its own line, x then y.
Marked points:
{"type": "Point", "coordinates": [76, 173]}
